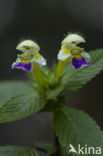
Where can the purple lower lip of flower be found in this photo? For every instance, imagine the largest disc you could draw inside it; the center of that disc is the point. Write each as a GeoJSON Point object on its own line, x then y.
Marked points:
{"type": "Point", "coordinates": [79, 63]}
{"type": "Point", "coordinates": [23, 66]}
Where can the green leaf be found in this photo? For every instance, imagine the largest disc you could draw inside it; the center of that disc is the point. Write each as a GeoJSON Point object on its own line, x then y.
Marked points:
{"type": "Point", "coordinates": [21, 105]}
{"type": "Point", "coordinates": [17, 151]}
{"type": "Point", "coordinates": [48, 147]}
{"type": "Point", "coordinates": [73, 79]}
{"type": "Point", "coordinates": [75, 127]}
{"type": "Point", "coordinates": [9, 89]}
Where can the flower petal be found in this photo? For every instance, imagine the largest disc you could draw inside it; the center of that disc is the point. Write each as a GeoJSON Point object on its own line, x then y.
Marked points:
{"type": "Point", "coordinates": [72, 39]}
{"type": "Point", "coordinates": [23, 66]}
{"type": "Point", "coordinates": [86, 56]}
{"type": "Point", "coordinates": [39, 59]}
{"type": "Point", "coordinates": [28, 46]}
{"type": "Point", "coordinates": [63, 56]}
{"type": "Point", "coordinates": [79, 63]}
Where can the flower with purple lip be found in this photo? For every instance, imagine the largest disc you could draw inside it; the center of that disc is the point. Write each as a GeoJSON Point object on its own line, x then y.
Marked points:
{"type": "Point", "coordinates": [23, 66]}
{"type": "Point", "coordinates": [73, 53]}
{"type": "Point", "coordinates": [29, 57]}
{"type": "Point", "coordinates": [79, 62]}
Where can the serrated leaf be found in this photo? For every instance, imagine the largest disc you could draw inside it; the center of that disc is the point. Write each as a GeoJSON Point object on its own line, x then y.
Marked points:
{"type": "Point", "coordinates": [73, 79]}
{"type": "Point", "coordinates": [17, 151]}
{"type": "Point", "coordinates": [12, 88]}
{"type": "Point", "coordinates": [21, 105]}
{"type": "Point", "coordinates": [75, 127]}
{"type": "Point", "coordinates": [48, 147]}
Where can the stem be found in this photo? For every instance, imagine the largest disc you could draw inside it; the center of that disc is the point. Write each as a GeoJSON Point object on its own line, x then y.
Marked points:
{"type": "Point", "coordinates": [38, 74]}
{"type": "Point", "coordinates": [61, 66]}
{"type": "Point", "coordinates": [56, 141]}
{"type": "Point", "coordinates": [57, 145]}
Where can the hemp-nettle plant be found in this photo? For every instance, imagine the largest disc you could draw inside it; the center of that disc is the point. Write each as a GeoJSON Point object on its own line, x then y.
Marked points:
{"type": "Point", "coordinates": [46, 92]}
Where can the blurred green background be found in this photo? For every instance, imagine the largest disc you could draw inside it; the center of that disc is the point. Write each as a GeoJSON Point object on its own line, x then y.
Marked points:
{"type": "Point", "coordinates": [47, 22]}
